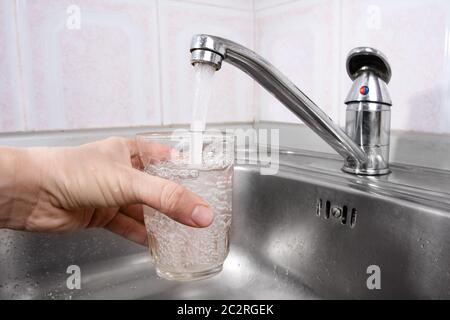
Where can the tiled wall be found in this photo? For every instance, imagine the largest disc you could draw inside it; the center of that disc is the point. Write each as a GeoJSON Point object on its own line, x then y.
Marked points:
{"type": "Point", "coordinates": [12, 116]}
{"type": "Point", "coordinates": [233, 91]}
{"type": "Point", "coordinates": [128, 64]}
{"type": "Point", "coordinates": [300, 38]}
{"type": "Point", "coordinates": [309, 41]}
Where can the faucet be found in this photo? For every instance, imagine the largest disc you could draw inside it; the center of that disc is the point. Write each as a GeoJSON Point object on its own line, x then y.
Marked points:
{"type": "Point", "coordinates": [365, 143]}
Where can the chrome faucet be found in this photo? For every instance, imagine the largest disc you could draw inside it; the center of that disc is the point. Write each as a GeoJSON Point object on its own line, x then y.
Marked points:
{"type": "Point", "coordinates": [365, 145]}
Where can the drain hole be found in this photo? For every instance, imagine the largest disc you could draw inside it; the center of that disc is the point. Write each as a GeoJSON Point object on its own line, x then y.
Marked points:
{"type": "Point", "coordinates": [344, 215]}
{"type": "Point", "coordinates": [353, 218]}
{"type": "Point", "coordinates": [319, 207]}
{"type": "Point", "coordinates": [327, 210]}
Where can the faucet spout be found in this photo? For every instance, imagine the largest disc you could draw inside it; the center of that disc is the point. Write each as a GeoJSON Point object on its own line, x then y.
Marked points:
{"type": "Point", "coordinates": [214, 50]}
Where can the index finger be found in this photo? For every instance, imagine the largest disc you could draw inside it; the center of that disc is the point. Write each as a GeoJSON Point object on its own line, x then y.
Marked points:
{"type": "Point", "coordinates": [144, 152]}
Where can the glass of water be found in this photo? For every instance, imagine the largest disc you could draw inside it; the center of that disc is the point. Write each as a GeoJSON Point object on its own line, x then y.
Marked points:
{"type": "Point", "coordinates": [203, 163]}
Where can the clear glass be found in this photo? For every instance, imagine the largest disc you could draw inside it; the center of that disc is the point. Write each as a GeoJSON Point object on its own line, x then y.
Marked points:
{"type": "Point", "coordinates": [181, 252]}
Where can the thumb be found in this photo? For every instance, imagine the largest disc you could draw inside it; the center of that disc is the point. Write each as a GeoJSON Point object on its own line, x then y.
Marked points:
{"type": "Point", "coordinates": [170, 198]}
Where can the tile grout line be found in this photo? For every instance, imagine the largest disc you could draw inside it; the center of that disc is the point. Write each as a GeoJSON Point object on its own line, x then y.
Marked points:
{"type": "Point", "coordinates": [273, 6]}
{"type": "Point", "coordinates": [22, 91]}
{"type": "Point", "coordinates": [211, 5]}
{"type": "Point", "coordinates": [341, 70]}
{"type": "Point", "coordinates": [446, 68]}
{"type": "Point", "coordinates": [255, 107]}
{"type": "Point", "coordinates": [160, 77]}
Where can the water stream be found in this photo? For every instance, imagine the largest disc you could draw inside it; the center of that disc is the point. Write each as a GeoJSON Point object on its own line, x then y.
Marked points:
{"type": "Point", "coordinates": [204, 76]}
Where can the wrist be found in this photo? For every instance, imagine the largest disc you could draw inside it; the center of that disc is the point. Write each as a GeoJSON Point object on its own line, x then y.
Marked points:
{"type": "Point", "coordinates": [18, 187]}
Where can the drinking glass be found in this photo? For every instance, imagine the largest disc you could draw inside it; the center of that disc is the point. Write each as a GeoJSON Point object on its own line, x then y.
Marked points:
{"type": "Point", "coordinates": [203, 163]}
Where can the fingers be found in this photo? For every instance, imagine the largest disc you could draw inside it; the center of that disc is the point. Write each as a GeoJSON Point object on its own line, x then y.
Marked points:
{"type": "Point", "coordinates": [99, 216]}
{"type": "Point", "coordinates": [165, 196]}
{"type": "Point", "coordinates": [170, 198]}
{"type": "Point", "coordinates": [128, 228]}
{"type": "Point", "coordinates": [134, 211]}
{"type": "Point", "coordinates": [145, 152]}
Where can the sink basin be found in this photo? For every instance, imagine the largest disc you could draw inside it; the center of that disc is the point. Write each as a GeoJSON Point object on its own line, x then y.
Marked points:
{"type": "Point", "coordinates": [309, 232]}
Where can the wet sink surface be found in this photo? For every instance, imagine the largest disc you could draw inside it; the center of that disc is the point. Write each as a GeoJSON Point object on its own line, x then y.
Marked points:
{"type": "Point", "coordinates": [308, 232]}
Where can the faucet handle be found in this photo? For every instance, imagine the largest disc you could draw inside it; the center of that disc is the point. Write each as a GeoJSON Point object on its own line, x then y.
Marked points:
{"type": "Point", "coordinates": [370, 72]}
{"type": "Point", "coordinates": [368, 114]}
{"type": "Point", "coordinates": [368, 59]}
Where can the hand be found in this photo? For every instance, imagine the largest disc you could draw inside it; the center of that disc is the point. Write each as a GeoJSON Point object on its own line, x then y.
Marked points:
{"type": "Point", "coordinates": [93, 185]}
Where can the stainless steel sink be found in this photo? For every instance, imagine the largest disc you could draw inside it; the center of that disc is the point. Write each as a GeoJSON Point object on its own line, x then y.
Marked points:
{"type": "Point", "coordinates": [308, 232]}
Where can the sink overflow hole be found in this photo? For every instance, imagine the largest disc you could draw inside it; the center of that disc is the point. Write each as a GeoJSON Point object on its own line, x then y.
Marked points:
{"type": "Point", "coordinates": [353, 218]}
{"type": "Point", "coordinates": [344, 214]}
{"type": "Point", "coordinates": [327, 210]}
{"type": "Point", "coordinates": [319, 207]}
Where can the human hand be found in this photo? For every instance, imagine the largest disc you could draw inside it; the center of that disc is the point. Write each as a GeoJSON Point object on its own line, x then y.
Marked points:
{"type": "Point", "coordinates": [94, 185]}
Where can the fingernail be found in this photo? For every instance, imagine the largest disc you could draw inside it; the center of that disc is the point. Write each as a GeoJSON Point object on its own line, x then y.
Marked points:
{"type": "Point", "coordinates": [202, 216]}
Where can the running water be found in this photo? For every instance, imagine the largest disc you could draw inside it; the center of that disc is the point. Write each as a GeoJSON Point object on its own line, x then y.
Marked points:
{"type": "Point", "coordinates": [181, 252]}
{"type": "Point", "coordinates": [204, 75]}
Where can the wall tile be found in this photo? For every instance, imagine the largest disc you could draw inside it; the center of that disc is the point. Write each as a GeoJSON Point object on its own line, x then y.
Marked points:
{"type": "Point", "coordinates": [264, 4]}
{"type": "Point", "coordinates": [103, 74]}
{"type": "Point", "coordinates": [232, 92]}
{"type": "Point", "coordinates": [302, 40]}
{"type": "Point", "coordinates": [234, 4]}
{"type": "Point", "coordinates": [415, 36]}
{"type": "Point", "coordinates": [107, 73]}
{"type": "Point", "coordinates": [12, 116]}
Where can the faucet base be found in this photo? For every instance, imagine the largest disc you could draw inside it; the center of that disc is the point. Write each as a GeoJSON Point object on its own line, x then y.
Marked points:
{"type": "Point", "coordinates": [366, 172]}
